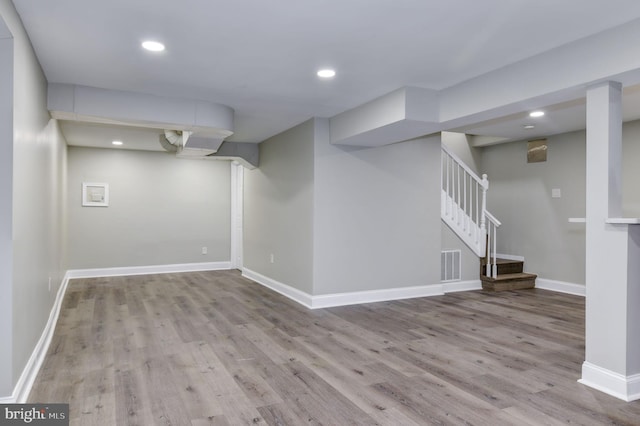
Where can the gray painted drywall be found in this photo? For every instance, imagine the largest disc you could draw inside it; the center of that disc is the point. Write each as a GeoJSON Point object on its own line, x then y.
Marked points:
{"type": "Point", "coordinates": [162, 209]}
{"type": "Point", "coordinates": [630, 169]}
{"type": "Point", "coordinates": [6, 207]}
{"type": "Point", "coordinates": [459, 144]}
{"type": "Point", "coordinates": [376, 216]}
{"type": "Point", "coordinates": [278, 209]}
{"type": "Point", "coordinates": [534, 224]}
{"type": "Point", "coordinates": [37, 198]}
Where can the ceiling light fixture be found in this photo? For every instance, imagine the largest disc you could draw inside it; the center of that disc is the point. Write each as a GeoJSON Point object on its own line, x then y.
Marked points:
{"type": "Point", "coordinates": [529, 126]}
{"type": "Point", "coordinates": [118, 143]}
{"type": "Point", "coordinates": [326, 73]}
{"type": "Point", "coordinates": [153, 46]}
{"type": "Point", "coordinates": [536, 114]}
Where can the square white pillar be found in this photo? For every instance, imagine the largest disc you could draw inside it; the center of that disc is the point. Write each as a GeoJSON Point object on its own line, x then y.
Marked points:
{"type": "Point", "coordinates": [612, 277]}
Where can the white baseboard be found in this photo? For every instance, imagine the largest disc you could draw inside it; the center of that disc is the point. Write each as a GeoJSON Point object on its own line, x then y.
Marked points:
{"type": "Point", "coordinates": [371, 296]}
{"type": "Point", "coordinates": [626, 388]}
{"type": "Point", "coordinates": [342, 299]}
{"type": "Point", "coordinates": [561, 287]}
{"type": "Point", "coordinates": [30, 371]}
{"type": "Point", "coordinates": [146, 270]}
{"type": "Point", "coordinates": [453, 287]}
{"type": "Point", "coordinates": [510, 257]}
{"type": "Point", "coordinates": [294, 294]}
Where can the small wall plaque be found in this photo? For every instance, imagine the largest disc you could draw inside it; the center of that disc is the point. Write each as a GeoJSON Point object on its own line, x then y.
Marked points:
{"type": "Point", "coordinates": [537, 151]}
{"type": "Point", "coordinates": [95, 194]}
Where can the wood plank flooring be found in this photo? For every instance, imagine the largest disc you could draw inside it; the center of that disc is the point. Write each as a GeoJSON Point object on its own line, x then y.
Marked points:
{"type": "Point", "coordinates": [213, 348]}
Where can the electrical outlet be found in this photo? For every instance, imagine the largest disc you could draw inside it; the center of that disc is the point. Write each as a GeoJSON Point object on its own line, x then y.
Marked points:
{"type": "Point", "coordinates": [272, 258]}
{"type": "Point", "coordinates": [204, 250]}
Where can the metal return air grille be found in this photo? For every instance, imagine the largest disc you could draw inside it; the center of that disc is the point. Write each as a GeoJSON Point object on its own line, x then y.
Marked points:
{"type": "Point", "coordinates": [450, 265]}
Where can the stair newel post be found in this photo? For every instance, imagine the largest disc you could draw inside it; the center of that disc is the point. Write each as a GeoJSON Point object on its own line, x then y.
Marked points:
{"type": "Point", "coordinates": [494, 271]}
{"type": "Point", "coordinates": [483, 208]}
{"type": "Point", "coordinates": [483, 224]}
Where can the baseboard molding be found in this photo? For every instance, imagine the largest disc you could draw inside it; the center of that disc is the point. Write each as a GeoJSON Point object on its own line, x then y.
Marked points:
{"type": "Point", "coordinates": [305, 299]}
{"type": "Point", "coordinates": [626, 388]}
{"type": "Point", "coordinates": [457, 286]}
{"type": "Point", "coordinates": [146, 270]}
{"type": "Point", "coordinates": [510, 257]}
{"type": "Point", "coordinates": [342, 299]}
{"type": "Point", "coordinates": [372, 296]}
{"type": "Point", "coordinates": [30, 371]}
{"type": "Point", "coordinates": [561, 287]}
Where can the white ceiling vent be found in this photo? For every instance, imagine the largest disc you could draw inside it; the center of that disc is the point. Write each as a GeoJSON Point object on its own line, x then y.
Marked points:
{"type": "Point", "coordinates": [177, 137]}
{"type": "Point", "coordinates": [192, 146]}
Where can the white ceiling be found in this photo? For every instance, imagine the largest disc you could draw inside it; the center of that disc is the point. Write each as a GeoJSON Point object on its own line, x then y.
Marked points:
{"type": "Point", "coordinates": [260, 57]}
{"type": "Point", "coordinates": [558, 118]}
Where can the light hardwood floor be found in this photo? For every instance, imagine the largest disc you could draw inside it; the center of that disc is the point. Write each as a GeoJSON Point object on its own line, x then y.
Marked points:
{"type": "Point", "coordinates": [213, 348]}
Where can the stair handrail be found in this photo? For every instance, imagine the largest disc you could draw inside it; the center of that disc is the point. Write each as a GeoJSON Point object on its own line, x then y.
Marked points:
{"type": "Point", "coordinates": [465, 208]}
{"type": "Point", "coordinates": [464, 201]}
{"type": "Point", "coordinates": [483, 181]}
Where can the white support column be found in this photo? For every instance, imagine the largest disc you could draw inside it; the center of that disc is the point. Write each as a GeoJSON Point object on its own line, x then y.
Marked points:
{"type": "Point", "coordinates": [237, 198]}
{"type": "Point", "coordinates": [612, 348]}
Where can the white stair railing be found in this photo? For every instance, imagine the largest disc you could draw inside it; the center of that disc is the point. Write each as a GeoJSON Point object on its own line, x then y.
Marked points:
{"type": "Point", "coordinates": [463, 207]}
{"type": "Point", "coordinates": [491, 254]}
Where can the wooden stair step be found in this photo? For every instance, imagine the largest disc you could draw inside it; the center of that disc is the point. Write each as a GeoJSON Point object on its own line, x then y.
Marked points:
{"type": "Point", "coordinates": [505, 266]}
{"type": "Point", "coordinates": [516, 281]}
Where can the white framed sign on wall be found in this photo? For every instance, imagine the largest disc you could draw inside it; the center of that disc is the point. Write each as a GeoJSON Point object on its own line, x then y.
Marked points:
{"type": "Point", "coordinates": [95, 194]}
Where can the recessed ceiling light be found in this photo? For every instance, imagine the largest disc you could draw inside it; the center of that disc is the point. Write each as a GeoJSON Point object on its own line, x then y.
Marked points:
{"type": "Point", "coordinates": [326, 73]}
{"type": "Point", "coordinates": [536, 114]}
{"type": "Point", "coordinates": [117, 143]}
{"type": "Point", "coordinates": [529, 126]}
{"type": "Point", "coordinates": [153, 46]}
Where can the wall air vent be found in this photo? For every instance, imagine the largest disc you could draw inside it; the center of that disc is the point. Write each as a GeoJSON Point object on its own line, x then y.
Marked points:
{"type": "Point", "coordinates": [450, 265]}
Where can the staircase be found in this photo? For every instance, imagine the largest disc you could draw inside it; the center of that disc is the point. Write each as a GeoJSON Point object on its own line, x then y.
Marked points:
{"type": "Point", "coordinates": [509, 276]}
{"type": "Point", "coordinates": [463, 208]}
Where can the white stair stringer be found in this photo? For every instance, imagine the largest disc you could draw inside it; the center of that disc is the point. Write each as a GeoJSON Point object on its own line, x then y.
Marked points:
{"type": "Point", "coordinates": [470, 232]}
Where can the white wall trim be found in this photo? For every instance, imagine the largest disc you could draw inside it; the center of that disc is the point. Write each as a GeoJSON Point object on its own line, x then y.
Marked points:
{"type": "Point", "coordinates": [371, 296]}
{"type": "Point", "coordinates": [30, 371]}
{"type": "Point", "coordinates": [454, 287]}
{"type": "Point", "coordinates": [294, 294]}
{"type": "Point", "coordinates": [561, 287]}
{"type": "Point", "coordinates": [510, 257]}
{"type": "Point", "coordinates": [626, 388]}
{"type": "Point", "coordinates": [342, 299]}
{"type": "Point", "coordinates": [146, 270]}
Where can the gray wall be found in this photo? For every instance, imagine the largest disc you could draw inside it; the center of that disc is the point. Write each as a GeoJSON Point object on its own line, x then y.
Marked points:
{"type": "Point", "coordinates": [278, 209]}
{"type": "Point", "coordinates": [39, 152]}
{"type": "Point", "coordinates": [162, 209]}
{"type": "Point", "coordinates": [631, 169]}
{"type": "Point", "coordinates": [377, 215]}
{"type": "Point", "coordinates": [534, 224]}
{"type": "Point", "coordinates": [6, 209]}
{"type": "Point", "coordinates": [459, 144]}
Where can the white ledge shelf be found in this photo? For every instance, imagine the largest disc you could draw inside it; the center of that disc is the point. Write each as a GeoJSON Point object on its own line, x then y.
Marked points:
{"type": "Point", "coordinates": [623, 221]}
{"type": "Point", "coordinates": [611, 220]}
